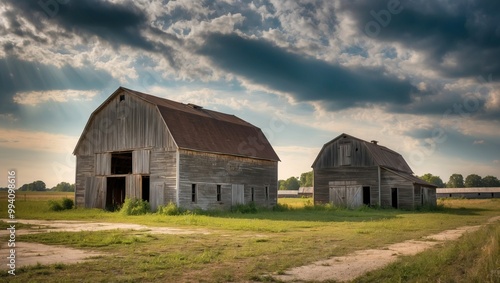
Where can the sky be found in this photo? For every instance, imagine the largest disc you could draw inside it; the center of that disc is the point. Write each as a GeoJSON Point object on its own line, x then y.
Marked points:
{"type": "Point", "coordinates": [420, 77]}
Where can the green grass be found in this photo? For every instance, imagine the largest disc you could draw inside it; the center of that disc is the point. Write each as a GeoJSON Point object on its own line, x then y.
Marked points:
{"type": "Point", "coordinates": [473, 258]}
{"type": "Point", "coordinates": [240, 246]}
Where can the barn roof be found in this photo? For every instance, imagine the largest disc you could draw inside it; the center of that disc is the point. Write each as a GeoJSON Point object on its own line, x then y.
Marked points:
{"type": "Point", "coordinates": [195, 128]}
{"type": "Point", "coordinates": [412, 178]}
{"type": "Point", "coordinates": [382, 156]}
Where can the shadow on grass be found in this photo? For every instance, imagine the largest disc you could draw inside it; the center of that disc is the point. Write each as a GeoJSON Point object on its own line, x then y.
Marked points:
{"type": "Point", "coordinates": [314, 213]}
{"type": "Point", "coordinates": [327, 213]}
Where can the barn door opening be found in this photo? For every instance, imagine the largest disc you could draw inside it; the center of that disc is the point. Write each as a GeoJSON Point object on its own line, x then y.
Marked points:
{"type": "Point", "coordinates": [238, 191]}
{"type": "Point", "coordinates": [394, 195]}
{"type": "Point", "coordinates": [366, 196]}
{"type": "Point", "coordinates": [115, 192]}
{"type": "Point", "coordinates": [121, 162]}
{"type": "Point", "coordinates": [145, 188]}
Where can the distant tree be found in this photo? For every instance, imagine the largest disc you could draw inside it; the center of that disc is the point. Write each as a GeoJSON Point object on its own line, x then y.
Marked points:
{"type": "Point", "coordinates": [292, 183]}
{"type": "Point", "coordinates": [306, 179]}
{"type": "Point", "coordinates": [281, 185]}
{"type": "Point", "coordinates": [435, 180]}
{"type": "Point", "coordinates": [64, 187]}
{"type": "Point", "coordinates": [456, 181]}
{"type": "Point", "coordinates": [473, 180]}
{"type": "Point", "coordinates": [490, 181]}
{"type": "Point", "coordinates": [35, 186]}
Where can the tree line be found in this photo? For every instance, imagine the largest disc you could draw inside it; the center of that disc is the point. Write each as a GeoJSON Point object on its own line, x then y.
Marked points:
{"type": "Point", "coordinates": [40, 186]}
{"type": "Point", "coordinates": [455, 181]}
{"type": "Point", "coordinates": [458, 181]}
{"type": "Point", "coordinates": [294, 183]}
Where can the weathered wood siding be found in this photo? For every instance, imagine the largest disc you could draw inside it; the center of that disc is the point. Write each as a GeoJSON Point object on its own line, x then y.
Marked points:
{"type": "Point", "coordinates": [362, 176]}
{"type": "Point", "coordinates": [207, 170]}
{"type": "Point", "coordinates": [133, 186]}
{"type": "Point", "coordinates": [331, 154]}
{"type": "Point", "coordinates": [95, 192]}
{"type": "Point", "coordinates": [124, 125]}
{"type": "Point", "coordinates": [346, 193]}
{"type": "Point", "coordinates": [406, 197]}
{"type": "Point", "coordinates": [163, 187]}
{"type": "Point", "coordinates": [84, 169]}
{"type": "Point", "coordinates": [140, 161]}
{"type": "Point", "coordinates": [429, 196]}
{"type": "Point", "coordinates": [102, 164]}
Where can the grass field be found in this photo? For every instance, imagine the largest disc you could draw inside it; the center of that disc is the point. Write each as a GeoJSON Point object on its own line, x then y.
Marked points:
{"type": "Point", "coordinates": [247, 247]}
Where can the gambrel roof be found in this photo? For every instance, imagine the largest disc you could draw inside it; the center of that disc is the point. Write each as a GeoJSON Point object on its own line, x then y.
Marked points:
{"type": "Point", "coordinates": [381, 155]}
{"type": "Point", "coordinates": [194, 128]}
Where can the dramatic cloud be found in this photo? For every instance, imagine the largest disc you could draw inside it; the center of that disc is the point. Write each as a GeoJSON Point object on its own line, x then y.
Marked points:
{"type": "Point", "coordinates": [17, 76]}
{"type": "Point", "coordinates": [307, 79]}
{"type": "Point", "coordinates": [458, 38]}
{"type": "Point", "coordinates": [37, 97]}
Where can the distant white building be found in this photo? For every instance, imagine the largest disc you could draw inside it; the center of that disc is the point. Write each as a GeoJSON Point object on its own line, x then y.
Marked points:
{"type": "Point", "coordinates": [469, 193]}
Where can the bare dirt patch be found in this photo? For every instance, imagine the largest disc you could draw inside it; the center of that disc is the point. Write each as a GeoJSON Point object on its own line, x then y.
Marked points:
{"type": "Point", "coordinates": [45, 226]}
{"type": "Point", "coordinates": [349, 267]}
{"type": "Point", "coordinates": [33, 253]}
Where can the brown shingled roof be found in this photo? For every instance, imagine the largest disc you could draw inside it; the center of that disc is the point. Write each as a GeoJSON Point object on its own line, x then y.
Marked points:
{"type": "Point", "coordinates": [386, 157]}
{"type": "Point", "coordinates": [195, 128]}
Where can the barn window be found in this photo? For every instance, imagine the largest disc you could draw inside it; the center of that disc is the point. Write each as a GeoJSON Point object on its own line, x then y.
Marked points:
{"type": "Point", "coordinates": [121, 163]}
{"type": "Point", "coordinates": [253, 194]}
{"type": "Point", "coordinates": [219, 193]}
{"type": "Point", "coordinates": [267, 193]}
{"type": "Point", "coordinates": [193, 192]}
{"type": "Point", "coordinates": [122, 97]}
{"type": "Point", "coordinates": [345, 154]}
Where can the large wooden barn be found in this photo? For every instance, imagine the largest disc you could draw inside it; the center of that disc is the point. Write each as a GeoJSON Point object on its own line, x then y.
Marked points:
{"type": "Point", "coordinates": [351, 172]}
{"type": "Point", "coordinates": [140, 146]}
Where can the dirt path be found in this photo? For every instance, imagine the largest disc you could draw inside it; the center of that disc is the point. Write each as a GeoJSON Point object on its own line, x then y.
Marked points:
{"type": "Point", "coordinates": [349, 267]}
{"type": "Point", "coordinates": [33, 253]}
{"type": "Point", "coordinates": [45, 226]}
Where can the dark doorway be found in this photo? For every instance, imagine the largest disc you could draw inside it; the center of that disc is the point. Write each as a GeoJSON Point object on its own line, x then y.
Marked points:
{"type": "Point", "coordinates": [366, 196]}
{"type": "Point", "coordinates": [121, 162]}
{"type": "Point", "coordinates": [115, 192]}
{"type": "Point", "coordinates": [394, 194]}
{"type": "Point", "coordinates": [145, 188]}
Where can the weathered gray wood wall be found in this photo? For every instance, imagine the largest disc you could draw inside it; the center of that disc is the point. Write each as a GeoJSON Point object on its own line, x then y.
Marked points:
{"type": "Point", "coordinates": [331, 155]}
{"type": "Point", "coordinates": [124, 125]}
{"type": "Point", "coordinates": [406, 197]}
{"type": "Point", "coordinates": [84, 169]}
{"type": "Point", "coordinates": [133, 125]}
{"type": "Point", "coordinates": [163, 172]}
{"type": "Point", "coordinates": [208, 170]}
{"type": "Point", "coordinates": [346, 193]}
{"type": "Point", "coordinates": [363, 176]}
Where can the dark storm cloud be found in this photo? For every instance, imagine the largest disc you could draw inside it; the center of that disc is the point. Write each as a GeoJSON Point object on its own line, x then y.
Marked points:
{"type": "Point", "coordinates": [20, 76]}
{"type": "Point", "coordinates": [117, 24]}
{"type": "Point", "coordinates": [467, 31]}
{"type": "Point", "coordinates": [307, 79]}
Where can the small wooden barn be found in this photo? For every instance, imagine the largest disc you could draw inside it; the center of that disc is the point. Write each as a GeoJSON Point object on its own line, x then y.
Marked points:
{"type": "Point", "coordinates": [351, 172]}
{"type": "Point", "coordinates": [140, 146]}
